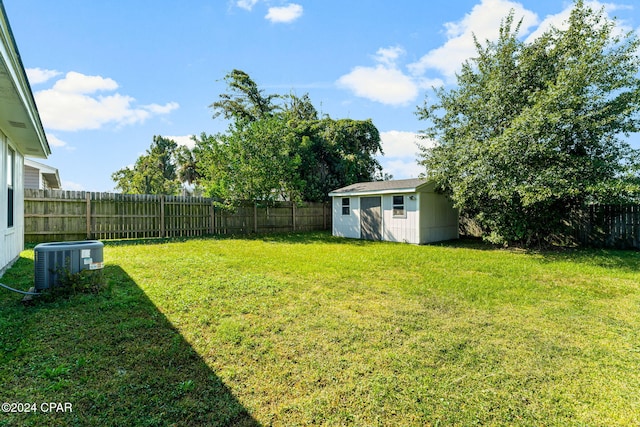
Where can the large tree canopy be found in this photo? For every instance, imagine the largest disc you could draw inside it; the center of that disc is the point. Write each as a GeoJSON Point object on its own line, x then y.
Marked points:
{"type": "Point", "coordinates": [275, 148]}
{"type": "Point", "coordinates": [533, 130]}
{"type": "Point", "coordinates": [281, 151]}
{"type": "Point", "coordinates": [155, 171]}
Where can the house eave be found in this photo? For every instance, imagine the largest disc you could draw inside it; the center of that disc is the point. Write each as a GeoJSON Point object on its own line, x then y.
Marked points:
{"type": "Point", "coordinates": [19, 117]}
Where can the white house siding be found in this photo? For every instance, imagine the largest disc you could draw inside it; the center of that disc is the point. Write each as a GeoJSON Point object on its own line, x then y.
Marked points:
{"type": "Point", "coordinates": [20, 128]}
{"type": "Point", "coordinates": [346, 225]}
{"type": "Point", "coordinates": [400, 229]}
{"type": "Point", "coordinates": [12, 238]}
{"type": "Point", "coordinates": [438, 219]}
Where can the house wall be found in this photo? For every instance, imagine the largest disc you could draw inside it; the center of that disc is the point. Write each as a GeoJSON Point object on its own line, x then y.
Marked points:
{"type": "Point", "coordinates": [400, 229]}
{"type": "Point", "coordinates": [32, 178]}
{"type": "Point", "coordinates": [346, 225]}
{"type": "Point", "coordinates": [11, 238]}
{"type": "Point", "coordinates": [438, 218]}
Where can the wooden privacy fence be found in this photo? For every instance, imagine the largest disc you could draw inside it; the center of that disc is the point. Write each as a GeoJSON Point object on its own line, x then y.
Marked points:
{"type": "Point", "coordinates": [613, 226]}
{"type": "Point", "coordinates": [608, 226]}
{"type": "Point", "coordinates": [56, 215]}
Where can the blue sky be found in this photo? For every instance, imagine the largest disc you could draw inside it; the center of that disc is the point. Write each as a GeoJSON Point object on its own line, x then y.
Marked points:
{"type": "Point", "coordinates": [108, 76]}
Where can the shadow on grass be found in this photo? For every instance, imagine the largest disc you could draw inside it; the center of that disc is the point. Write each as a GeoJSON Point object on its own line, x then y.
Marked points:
{"type": "Point", "coordinates": [616, 259]}
{"type": "Point", "coordinates": [627, 260]}
{"type": "Point", "coordinates": [113, 357]}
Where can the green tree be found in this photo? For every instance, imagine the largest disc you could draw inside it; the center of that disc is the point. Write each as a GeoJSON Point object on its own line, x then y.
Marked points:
{"type": "Point", "coordinates": [253, 162]}
{"type": "Point", "coordinates": [534, 130]}
{"type": "Point", "coordinates": [187, 169]}
{"type": "Point", "coordinates": [243, 101]}
{"type": "Point", "coordinates": [281, 151]}
{"type": "Point", "coordinates": [153, 172]}
{"type": "Point", "coordinates": [337, 153]}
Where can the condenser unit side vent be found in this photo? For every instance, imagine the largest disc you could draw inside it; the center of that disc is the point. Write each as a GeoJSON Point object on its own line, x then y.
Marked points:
{"type": "Point", "coordinates": [53, 258]}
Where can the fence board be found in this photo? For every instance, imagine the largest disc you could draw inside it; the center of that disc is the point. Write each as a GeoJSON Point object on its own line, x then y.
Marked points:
{"type": "Point", "coordinates": [608, 226]}
{"type": "Point", "coordinates": [57, 215]}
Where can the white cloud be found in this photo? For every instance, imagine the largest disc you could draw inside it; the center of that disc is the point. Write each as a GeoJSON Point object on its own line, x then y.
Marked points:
{"type": "Point", "coordinates": [401, 154]}
{"type": "Point", "coordinates": [385, 82]}
{"type": "Point", "coordinates": [185, 140]}
{"type": "Point", "coordinates": [381, 84]}
{"type": "Point", "coordinates": [389, 55]}
{"type": "Point", "coordinates": [561, 20]}
{"type": "Point", "coordinates": [246, 4]}
{"type": "Point", "coordinates": [162, 109]}
{"type": "Point", "coordinates": [56, 142]}
{"type": "Point", "coordinates": [427, 83]}
{"type": "Point", "coordinates": [558, 20]}
{"type": "Point", "coordinates": [284, 14]}
{"type": "Point", "coordinates": [483, 21]}
{"type": "Point", "coordinates": [401, 168]}
{"type": "Point", "coordinates": [72, 186]}
{"type": "Point", "coordinates": [82, 84]}
{"type": "Point", "coordinates": [397, 143]}
{"type": "Point", "coordinates": [70, 104]}
{"type": "Point", "coordinates": [38, 75]}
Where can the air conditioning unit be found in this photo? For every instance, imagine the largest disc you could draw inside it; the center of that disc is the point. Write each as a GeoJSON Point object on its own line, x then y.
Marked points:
{"type": "Point", "coordinates": [52, 258]}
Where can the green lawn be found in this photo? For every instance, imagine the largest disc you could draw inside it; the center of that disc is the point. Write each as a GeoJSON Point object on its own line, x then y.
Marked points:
{"type": "Point", "coordinates": [310, 329]}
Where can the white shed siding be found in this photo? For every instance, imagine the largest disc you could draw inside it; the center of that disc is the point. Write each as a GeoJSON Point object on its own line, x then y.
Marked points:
{"type": "Point", "coordinates": [346, 225]}
{"type": "Point", "coordinates": [428, 217]}
{"type": "Point", "coordinates": [12, 238]}
{"type": "Point", "coordinates": [32, 178]}
{"type": "Point", "coordinates": [400, 229]}
{"type": "Point", "coordinates": [438, 220]}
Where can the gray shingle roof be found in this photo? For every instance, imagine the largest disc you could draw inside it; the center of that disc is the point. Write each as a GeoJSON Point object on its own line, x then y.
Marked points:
{"type": "Point", "coordinates": [381, 186]}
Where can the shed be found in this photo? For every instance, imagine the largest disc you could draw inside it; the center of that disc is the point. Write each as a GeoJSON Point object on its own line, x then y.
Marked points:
{"type": "Point", "coordinates": [21, 134]}
{"type": "Point", "coordinates": [39, 176]}
{"type": "Point", "coordinates": [406, 210]}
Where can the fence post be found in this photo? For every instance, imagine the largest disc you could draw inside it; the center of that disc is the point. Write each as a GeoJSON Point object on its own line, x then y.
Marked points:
{"type": "Point", "coordinates": [88, 198]}
{"type": "Point", "coordinates": [255, 216]}
{"type": "Point", "coordinates": [162, 216]}
{"type": "Point", "coordinates": [324, 215]}
{"type": "Point", "coordinates": [212, 214]}
{"type": "Point", "coordinates": [293, 214]}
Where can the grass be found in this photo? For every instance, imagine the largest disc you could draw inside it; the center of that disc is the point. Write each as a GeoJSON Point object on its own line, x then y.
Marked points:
{"type": "Point", "coordinates": [304, 329]}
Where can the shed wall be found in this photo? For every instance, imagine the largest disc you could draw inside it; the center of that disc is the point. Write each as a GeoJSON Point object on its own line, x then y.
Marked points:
{"type": "Point", "coordinates": [346, 225]}
{"type": "Point", "coordinates": [438, 218]}
{"type": "Point", "coordinates": [400, 228]}
{"type": "Point", "coordinates": [32, 178]}
{"type": "Point", "coordinates": [429, 217]}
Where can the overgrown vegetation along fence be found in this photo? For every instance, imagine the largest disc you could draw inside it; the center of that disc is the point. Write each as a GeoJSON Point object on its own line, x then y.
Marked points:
{"type": "Point", "coordinates": [56, 215]}
{"type": "Point", "coordinates": [613, 226]}
{"type": "Point", "coordinates": [608, 226]}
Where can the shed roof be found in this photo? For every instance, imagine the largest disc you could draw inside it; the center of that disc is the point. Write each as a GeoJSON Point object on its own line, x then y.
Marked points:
{"type": "Point", "coordinates": [382, 187]}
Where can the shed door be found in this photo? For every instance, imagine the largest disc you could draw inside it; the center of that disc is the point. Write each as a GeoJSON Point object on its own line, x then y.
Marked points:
{"type": "Point", "coordinates": [370, 218]}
